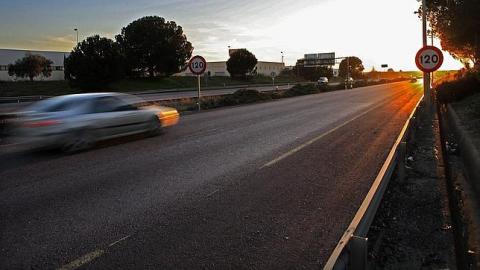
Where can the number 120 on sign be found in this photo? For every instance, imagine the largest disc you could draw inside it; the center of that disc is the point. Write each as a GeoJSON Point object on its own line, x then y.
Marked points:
{"type": "Point", "coordinates": [429, 59]}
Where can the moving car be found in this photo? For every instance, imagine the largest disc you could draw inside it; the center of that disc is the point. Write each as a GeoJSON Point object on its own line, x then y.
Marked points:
{"type": "Point", "coordinates": [76, 122]}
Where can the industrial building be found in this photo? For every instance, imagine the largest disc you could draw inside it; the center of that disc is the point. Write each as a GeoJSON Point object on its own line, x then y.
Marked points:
{"type": "Point", "coordinates": [9, 56]}
{"type": "Point", "coordinates": [220, 68]}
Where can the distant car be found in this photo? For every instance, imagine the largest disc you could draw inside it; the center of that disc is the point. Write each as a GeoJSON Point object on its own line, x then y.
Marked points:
{"type": "Point", "coordinates": [323, 81]}
{"type": "Point", "coordinates": [76, 122]}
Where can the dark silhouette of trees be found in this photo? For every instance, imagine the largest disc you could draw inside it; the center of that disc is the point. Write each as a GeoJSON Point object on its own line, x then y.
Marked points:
{"type": "Point", "coordinates": [240, 63]}
{"type": "Point", "coordinates": [95, 62]}
{"type": "Point", "coordinates": [156, 46]}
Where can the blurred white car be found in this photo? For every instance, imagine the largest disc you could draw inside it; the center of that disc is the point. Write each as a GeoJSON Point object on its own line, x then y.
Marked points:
{"type": "Point", "coordinates": [76, 122]}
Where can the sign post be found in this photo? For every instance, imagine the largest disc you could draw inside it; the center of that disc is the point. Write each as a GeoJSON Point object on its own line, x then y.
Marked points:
{"type": "Point", "coordinates": [273, 74]}
{"type": "Point", "coordinates": [197, 66]}
{"type": "Point", "coordinates": [428, 59]}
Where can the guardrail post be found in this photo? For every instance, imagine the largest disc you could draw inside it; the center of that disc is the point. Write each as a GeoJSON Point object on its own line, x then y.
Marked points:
{"type": "Point", "coordinates": [402, 153]}
{"type": "Point", "coordinates": [358, 253]}
{"type": "Point", "coordinates": [413, 128]}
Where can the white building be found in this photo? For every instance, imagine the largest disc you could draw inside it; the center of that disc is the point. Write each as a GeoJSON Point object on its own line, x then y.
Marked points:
{"type": "Point", "coordinates": [9, 56]}
{"type": "Point", "coordinates": [220, 69]}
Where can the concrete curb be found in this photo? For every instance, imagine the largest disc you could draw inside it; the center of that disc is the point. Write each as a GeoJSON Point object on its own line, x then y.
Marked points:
{"type": "Point", "coordinates": [469, 154]}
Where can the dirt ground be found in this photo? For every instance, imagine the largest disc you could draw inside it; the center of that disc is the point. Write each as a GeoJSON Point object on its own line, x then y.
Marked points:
{"type": "Point", "coordinates": [412, 229]}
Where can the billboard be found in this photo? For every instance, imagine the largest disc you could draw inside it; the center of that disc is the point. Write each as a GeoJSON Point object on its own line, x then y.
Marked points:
{"type": "Point", "coordinates": [319, 59]}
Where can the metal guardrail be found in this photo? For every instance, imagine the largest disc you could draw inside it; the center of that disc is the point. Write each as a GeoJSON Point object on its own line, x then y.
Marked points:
{"type": "Point", "coordinates": [351, 250]}
{"type": "Point", "coordinates": [20, 99]}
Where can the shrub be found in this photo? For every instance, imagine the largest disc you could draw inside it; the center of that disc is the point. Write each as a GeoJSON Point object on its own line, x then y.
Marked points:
{"type": "Point", "coordinates": [244, 96]}
{"type": "Point", "coordinates": [456, 90]}
{"type": "Point", "coordinates": [300, 90]}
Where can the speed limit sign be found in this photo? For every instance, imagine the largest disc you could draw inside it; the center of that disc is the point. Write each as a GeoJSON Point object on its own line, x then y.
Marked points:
{"type": "Point", "coordinates": [197, 65]}
{"type": "Point", "coordinates": [429, 59]}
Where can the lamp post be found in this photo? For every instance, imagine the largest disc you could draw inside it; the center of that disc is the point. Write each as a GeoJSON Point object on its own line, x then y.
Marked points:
{"type": "Point", "coordinates": [431, 33]}
{"type": "Point", "coordinates": [282, 56]}
{"type": "Point", "coordinates": [76, 31]}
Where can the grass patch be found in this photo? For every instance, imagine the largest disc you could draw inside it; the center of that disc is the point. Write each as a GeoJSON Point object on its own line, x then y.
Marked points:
{"type": "Point", "coordinates": [44, 88]}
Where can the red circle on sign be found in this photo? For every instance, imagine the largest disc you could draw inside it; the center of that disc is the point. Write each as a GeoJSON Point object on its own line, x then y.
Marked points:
{"type": "Point", "coordinates": [195, 70]}
{"type": "Point", "coordinates": [437, 65]}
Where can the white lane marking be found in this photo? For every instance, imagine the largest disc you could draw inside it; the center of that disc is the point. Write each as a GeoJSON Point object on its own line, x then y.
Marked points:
{"type": "Point", "coordinates": [119, 240]}
{"type": "Point", "coordinates": [300, 147]}
{"type": "Point", "coordinates": [210, 194]}
{"type": "Point", "coordinates": [87, 258]}
{"type": "Point", "coordinates": [83, 260]}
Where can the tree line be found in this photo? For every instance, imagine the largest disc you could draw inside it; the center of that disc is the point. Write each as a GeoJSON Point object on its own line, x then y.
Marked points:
{"type": "Point", "coordinates": [149, 46]}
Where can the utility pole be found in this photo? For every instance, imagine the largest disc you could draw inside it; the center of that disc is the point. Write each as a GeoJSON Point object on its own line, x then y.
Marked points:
{"type": "Point", "coordinates": [432, 35]}
{"type": "Point", "coordinates": [426, 75]}
{"type": "Point", "coordinates": [347, 82]}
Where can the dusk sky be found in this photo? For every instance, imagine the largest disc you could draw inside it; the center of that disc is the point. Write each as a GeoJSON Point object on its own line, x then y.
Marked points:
{"type": "Point", "coordinates": [378, 31]}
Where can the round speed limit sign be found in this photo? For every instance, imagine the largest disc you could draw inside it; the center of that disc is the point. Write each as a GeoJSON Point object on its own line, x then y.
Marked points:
{"type": "Point", "coordinates": [429, 59]}
{"type": "Point", "coordinates": [197, 65]}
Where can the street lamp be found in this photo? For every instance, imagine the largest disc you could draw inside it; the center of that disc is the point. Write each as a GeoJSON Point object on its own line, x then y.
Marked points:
{"type": "Point", "coordinates": [282, 56]}
{"type": "Point", "coordinates": [76, 30]}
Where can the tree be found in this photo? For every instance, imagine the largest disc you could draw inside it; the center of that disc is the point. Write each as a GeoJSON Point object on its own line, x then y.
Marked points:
{"type": "Point", "coordinates": [240, 63]}
{"type": "Point", "coordinates": [457, 24]}
{"type": "Point", "coordinates": [354, 67]}
{"type": "Point", "coordinates": [95, 62]}
{"type": "Point", "coordinates": [31, 66]}
{"type": "Point", "coordinates": [154, 45]}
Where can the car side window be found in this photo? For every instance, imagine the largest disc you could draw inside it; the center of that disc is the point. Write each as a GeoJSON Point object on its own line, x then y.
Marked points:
{"type": "Point", "coordinates": [107, 104]}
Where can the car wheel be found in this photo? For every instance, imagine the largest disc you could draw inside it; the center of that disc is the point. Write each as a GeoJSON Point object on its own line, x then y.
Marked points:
{"type": "Point", "coordinates": [78, 141]}
{"type": "Point", "coordinates": [154, 127]}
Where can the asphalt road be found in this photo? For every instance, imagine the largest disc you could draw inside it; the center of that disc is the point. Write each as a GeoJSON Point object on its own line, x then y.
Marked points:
{"type": "Point", "coordinates": [265, 186]}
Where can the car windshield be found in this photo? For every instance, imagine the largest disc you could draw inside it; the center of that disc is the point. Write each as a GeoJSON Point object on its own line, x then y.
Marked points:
{"type": "Point", "coordinates": [56, 104]}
